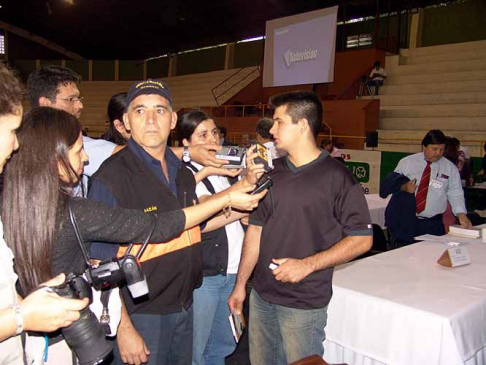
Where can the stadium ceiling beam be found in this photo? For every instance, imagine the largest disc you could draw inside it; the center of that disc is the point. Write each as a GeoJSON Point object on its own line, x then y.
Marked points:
{"type": "Point", "coordinates": [35, 38]}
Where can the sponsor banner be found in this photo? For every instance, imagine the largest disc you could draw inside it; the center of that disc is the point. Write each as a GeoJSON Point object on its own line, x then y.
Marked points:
{"type": "Point", "coordinates": [365, 167]}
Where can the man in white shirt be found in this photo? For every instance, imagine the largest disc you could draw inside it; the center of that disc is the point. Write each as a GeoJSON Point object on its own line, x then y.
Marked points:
{"type": "Point", "coordinates": [435, 181]}
{"type": "Point", "coordinates": [377, 77]}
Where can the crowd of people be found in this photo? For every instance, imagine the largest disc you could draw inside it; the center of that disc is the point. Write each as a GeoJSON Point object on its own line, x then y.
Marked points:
{"type": "Point", "coordinates": [208, 233]}
{"type": "Point", "coordinates": [138, 185]}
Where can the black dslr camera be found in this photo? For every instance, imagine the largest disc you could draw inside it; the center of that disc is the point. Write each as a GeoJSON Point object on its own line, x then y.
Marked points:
{"type": "Point", "coordinates": [85, 336]}
{"type": "Point", "coordinates": [115, 271]}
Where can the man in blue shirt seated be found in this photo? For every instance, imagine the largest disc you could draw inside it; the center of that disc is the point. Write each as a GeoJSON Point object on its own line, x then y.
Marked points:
{"type": "Point", "coordinates": [434, 181]}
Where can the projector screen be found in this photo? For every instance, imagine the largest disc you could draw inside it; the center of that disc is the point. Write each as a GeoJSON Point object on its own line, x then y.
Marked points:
{"type": "Point", "coordinates": [300, 49]}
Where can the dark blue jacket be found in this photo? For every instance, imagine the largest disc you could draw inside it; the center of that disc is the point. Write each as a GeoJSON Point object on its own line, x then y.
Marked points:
{"type": "Point", "coordinates": [400, 211]}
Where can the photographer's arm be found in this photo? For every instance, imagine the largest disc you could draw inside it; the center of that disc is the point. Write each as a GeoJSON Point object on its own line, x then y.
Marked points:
{"type": "Point", "coordinates": [115, 224]}
{"type": "Point", "coordinates": [237, 198]}
{"type": "Point", "coordinates": [222, 220]}
{"type": "Point", "coordinates": [219, 171]}
{"type": "Point", "coordinates": [202, 154]}
{"type": "Point", "coordinates": [131, 345]}
{"type": "Point", "coordinates": [253, 172]}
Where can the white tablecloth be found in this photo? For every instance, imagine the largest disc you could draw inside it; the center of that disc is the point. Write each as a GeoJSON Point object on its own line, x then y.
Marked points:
{"type": "Point", "coordinates": [377, 207]}
{"type": "Point", "coordinates": [401, 307]}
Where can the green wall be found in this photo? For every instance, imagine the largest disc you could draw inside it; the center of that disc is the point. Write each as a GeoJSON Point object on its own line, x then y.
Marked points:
{"type": "Point", "coordinates": [389, 160]}
{"type": "Point", "coordinates": [158, 68]}
{"type": "Point", "coordinates": [130, 70]}
{"type": "Point", "coordinates": [103, 70]}
{"type": "Point", "coordinates": [80, 67]}
{"type": "Point", "coordinates": [206, 60]}
{"type": "Point", "coordinates": [23, 67]}
{"type": "Point", "coordinates": [462, 22]}
{"type": "Point", "coordinates": [249, 54]}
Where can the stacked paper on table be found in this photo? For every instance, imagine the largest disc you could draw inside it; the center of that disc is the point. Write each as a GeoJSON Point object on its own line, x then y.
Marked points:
{"type": "Point", "coordinates": [457, 230]}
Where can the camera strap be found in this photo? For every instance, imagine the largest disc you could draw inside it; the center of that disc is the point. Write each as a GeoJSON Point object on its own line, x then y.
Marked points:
{"type": "Point", "coordinates": [74, 223]}
{"type": "Point", "coordinates": [78, 235]}
{"type": "Point", "coordinates": [205, 181]}
{"type": "Point", "coordinates": [145, 242]}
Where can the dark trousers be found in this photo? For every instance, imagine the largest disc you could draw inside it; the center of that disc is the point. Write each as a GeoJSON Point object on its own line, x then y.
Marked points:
{"type": "Point", "coordinates": [376, 84]}
{"type": "Point", "coordinates": [167, 336]}
{"type": "Point", "coordinates": [433, 225]}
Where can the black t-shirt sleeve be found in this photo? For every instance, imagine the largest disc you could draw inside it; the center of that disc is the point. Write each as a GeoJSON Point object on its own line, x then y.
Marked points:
{"type": "Point", "coordinates": [259, 215]}
{"type": "Point", "coordinates": [98, 222]}
{"type": "Point", "coordinates": [352, 210]}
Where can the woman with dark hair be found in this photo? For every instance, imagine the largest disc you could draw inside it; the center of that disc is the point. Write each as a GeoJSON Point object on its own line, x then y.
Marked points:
{"type": "Point", "coordinates": [41, 310]}
{"type": "Point", "coordinates": [38, 187]}
{"type": "Point", "coordinates": [117, 133]}
{"type": "Point", "coordinates": [212, 336]}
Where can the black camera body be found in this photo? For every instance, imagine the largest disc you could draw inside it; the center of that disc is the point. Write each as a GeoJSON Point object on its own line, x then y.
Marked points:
{"type": "Point", "coordinates": [84, 336]}
{"type": "Point", "coordinates": [115, 271]}
{"type": "Point", "coordinates": [74, 287]}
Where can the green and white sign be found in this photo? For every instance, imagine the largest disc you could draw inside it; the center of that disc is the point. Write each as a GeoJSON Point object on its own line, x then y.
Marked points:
{"type": "Point", "coordinates": [365, 167]}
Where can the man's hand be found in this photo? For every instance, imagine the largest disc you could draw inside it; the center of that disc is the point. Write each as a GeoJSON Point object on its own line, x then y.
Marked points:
{"type": "Point", "coordinates": [46, 311]}
{"type": "Point", "coordinates": [236, 299]}
{"type": "Point", "coordinates": [131, 345]}
{"type": "Point", "coordinates": [410, 186]}
{"type": "Point", "coordinates": [253, 171]}
{"type": "Point", "coordinates": [204, 154]}
{"type": "Point", "coordinates": [464, 220]}
{"type": "Point", "coordinates": [221, 171]}
{"type": "Point", "coordinates": [292, 270]}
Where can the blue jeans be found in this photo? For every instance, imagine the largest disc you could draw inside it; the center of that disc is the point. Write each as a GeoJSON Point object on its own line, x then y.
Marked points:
{"type": "Point", "coordinates": [280, 335]}
{"type": "Point", "coordinates": [376, 84]}
{"type": "Point", "coordinates": [213, 339]}
{"type": "Point", "coordinates": [167, 336]}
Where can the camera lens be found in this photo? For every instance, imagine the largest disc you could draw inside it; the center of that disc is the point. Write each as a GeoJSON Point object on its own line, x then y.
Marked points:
{"type": "Point", "coordinates": [87, 339]}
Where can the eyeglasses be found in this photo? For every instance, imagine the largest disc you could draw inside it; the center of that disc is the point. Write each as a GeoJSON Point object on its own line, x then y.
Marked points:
{"type": "Point", "coordinates": [71, 99]}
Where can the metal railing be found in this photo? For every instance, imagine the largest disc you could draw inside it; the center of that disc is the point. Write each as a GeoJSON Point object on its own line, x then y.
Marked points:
{"type": "Point", "coordinates": [239, 110]}
{"type": "Point", "coordinates": [229, 87]}
{"type": "Point", "coordinates": [250, 110]}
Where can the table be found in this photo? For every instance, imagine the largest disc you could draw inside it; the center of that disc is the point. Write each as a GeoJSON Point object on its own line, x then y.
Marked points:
{"type": "Point", "coordinates": [377, 207]}
{"type": "Point", "coordinates": [401, 307]}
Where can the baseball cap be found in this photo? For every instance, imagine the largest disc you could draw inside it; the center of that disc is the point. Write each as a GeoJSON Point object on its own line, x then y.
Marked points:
{"type": "Point", "coordinates": [148, 87]}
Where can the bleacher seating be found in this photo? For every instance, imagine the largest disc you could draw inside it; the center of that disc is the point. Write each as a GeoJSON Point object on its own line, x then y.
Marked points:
{"type": "Point", "coordinates": [440, 87]}
{"type": "Point", "coordinates": [187, 91]}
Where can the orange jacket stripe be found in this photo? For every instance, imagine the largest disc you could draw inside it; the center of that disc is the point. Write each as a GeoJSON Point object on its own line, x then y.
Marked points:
{"type": "Point", "coordinates": [187, 238]}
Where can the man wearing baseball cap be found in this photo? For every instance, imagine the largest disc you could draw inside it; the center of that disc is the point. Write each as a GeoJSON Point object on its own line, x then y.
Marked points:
{"type": "Point", "coordinates": [146, 175]}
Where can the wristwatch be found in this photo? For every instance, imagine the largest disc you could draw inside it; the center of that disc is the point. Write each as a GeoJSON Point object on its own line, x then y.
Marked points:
{"type": "Point", "coordinates": [186, 156]}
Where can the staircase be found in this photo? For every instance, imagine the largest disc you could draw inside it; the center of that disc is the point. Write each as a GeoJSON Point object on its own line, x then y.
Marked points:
{"type": "Point", "coordinates": [440, 87]}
